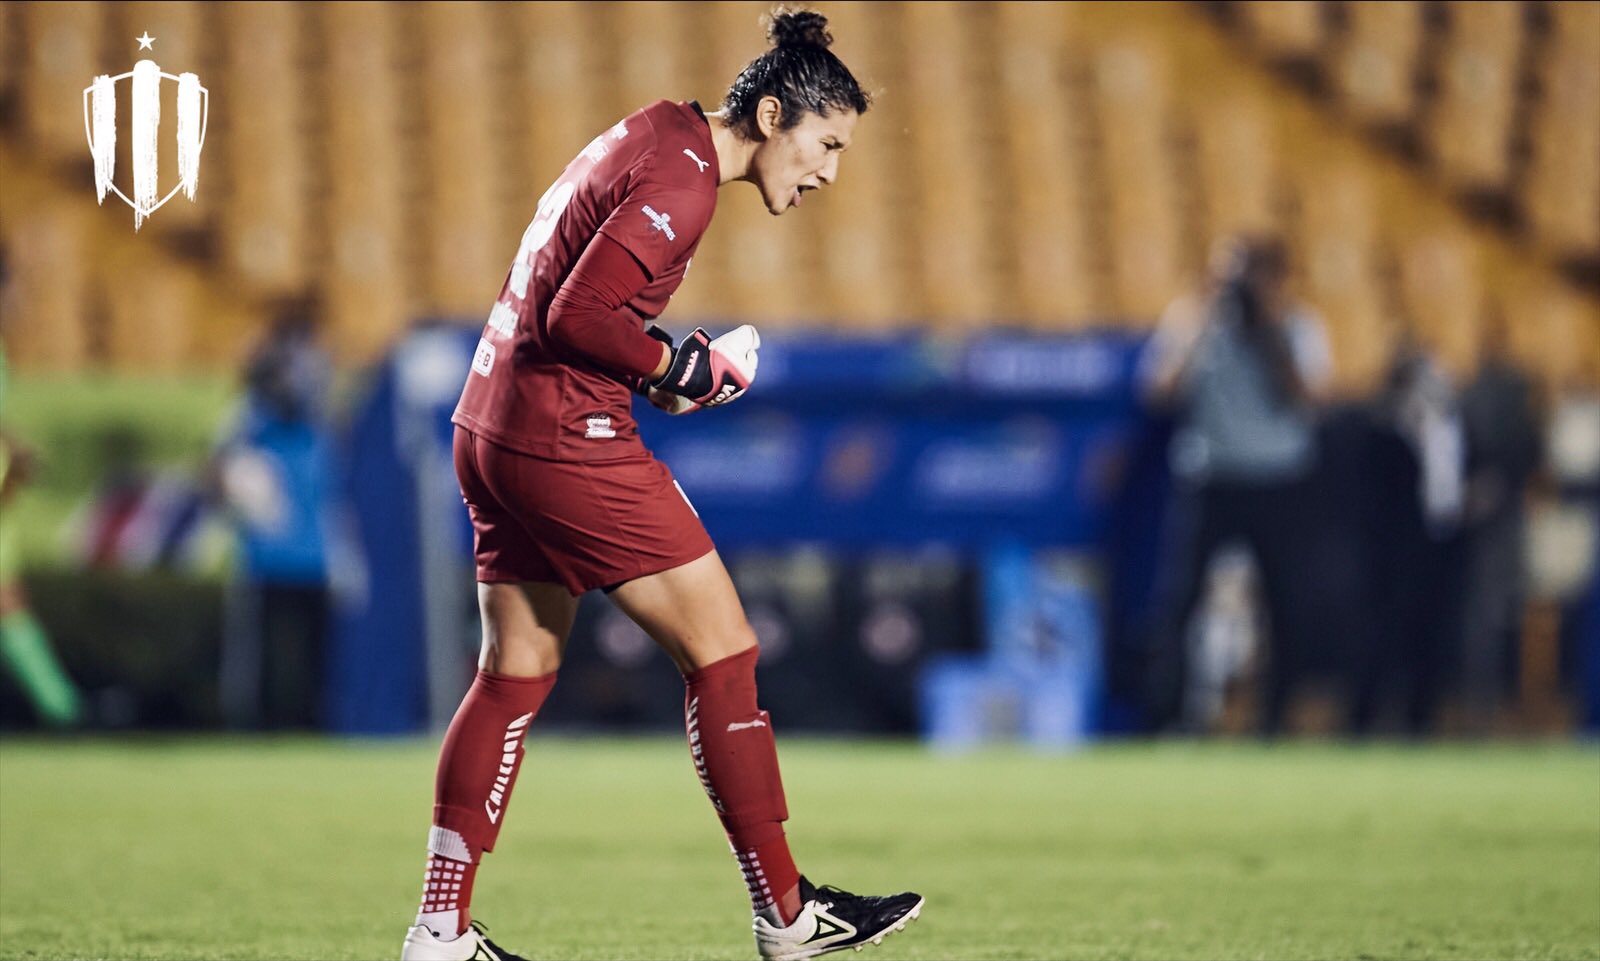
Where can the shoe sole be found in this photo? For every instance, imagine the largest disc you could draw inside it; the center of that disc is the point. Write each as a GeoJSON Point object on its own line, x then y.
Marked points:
{"type": "Point", "coordinates": [900, 925]}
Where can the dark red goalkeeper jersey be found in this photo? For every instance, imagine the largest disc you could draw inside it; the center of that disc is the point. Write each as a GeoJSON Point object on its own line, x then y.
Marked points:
{"type": "Point", "coordinates": [649, 184]}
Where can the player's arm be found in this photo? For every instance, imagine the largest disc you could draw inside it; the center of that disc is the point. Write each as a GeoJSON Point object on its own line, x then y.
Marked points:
{"type": "Point", "coordinates": [590, 314]}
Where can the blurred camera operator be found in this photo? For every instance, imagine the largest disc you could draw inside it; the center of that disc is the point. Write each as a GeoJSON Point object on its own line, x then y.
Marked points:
{"type": "Point", "coordinates": [1242, 367]}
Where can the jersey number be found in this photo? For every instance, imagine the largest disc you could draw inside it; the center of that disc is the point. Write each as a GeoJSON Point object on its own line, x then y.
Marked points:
{"type": "Point", "coordinates": [538, 234]}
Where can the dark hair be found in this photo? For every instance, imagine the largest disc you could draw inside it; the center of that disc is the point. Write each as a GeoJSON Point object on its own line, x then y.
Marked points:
{"type": "Point", "coordinates": [799, 70]}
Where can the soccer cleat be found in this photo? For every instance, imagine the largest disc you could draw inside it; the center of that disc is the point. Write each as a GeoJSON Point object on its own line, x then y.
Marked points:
{"type": "Point", "coordinates": [473, 945]}
{"type": "Point", "coordinates": [831, 920]}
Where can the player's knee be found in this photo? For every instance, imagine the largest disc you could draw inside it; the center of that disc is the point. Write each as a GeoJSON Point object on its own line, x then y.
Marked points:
{"type": "Point", "coordinates": [519, 654]}
{"type": "Point", "coordinates": [734, 640]}
{"type": "Point", "coordinates": [742, 638]}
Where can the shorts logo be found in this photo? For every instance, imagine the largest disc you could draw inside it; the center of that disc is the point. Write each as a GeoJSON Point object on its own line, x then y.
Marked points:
{"type": "Point", "coordinates": [144, 88]}
{"type": "Point", "coordinates": [661, 222]}
{"type": "Point", "coordinates": [600, 426]}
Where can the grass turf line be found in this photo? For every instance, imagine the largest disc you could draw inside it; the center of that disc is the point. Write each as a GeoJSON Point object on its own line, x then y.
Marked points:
{"type": "Point", "coordinates": [303, 848]}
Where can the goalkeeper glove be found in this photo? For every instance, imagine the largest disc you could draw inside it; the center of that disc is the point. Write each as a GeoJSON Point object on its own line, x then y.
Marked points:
{"type": "Point", "coordinates": [641, 385]}
{"type": "Point", "coordinates": [706, 372]}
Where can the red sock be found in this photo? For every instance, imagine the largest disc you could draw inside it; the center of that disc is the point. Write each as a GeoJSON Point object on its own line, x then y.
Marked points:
{"type": "Point", "coordinates": [477, 770]}
{"type": "Point", "coordinates": [730, 740]}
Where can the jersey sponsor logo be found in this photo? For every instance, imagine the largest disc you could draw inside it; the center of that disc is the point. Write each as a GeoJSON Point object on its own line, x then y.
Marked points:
{"type": "Point", "coordinates": [619, 131]}
{"type": "Point", "coordinates": [495, 805]}
{"type": "Point", "coordinates": [597, 149]}
{"type": "Point", "coordinates": [600, 426]}
{"type": "Point", "coordinates": [483, 358]}
{"type": "Point", "coordinates": [503, 319]}
{"type": "Point", "coordinates": [703, 163]}
{"type": "Point", "coordinates": [746, 725]}
{"type": "Point", "coordinates": [661, 222]}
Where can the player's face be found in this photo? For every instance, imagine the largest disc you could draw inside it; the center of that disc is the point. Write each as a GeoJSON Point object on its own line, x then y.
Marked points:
{"type": "Point", "coordinates": [804, 157]}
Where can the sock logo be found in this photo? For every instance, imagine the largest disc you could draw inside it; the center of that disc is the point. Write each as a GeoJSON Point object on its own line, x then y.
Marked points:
{"type": "Point", "coordinates": [746, 725]}
{"type": "Point", "coordinates": [697, 751]}
{"type": "Point", "coordinates": [496, 803]}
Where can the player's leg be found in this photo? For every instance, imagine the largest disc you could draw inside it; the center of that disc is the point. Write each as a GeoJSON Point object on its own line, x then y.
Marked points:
{"type": "Point", "coordinates": [526, 618]}
{"type": "Point", "coordinates": [26, 653]}
{"type": "Point", "coordinates": [693, 612]}
{"type": "Point", "coordinates": [525, 628]}
{"type": "Point", "coordinates": [1198, 524]}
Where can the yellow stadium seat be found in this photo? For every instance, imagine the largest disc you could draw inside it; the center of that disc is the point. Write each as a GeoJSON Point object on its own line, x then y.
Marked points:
{"type": "Point", "coordinates": [465, 258]}
{"type": "Point", "coordinates": [1375, 70]}
{"type": "Point", "coordinates": [1290, 30]}
{"type": "Point", "coordinates": [363, 286]}
{"type": "Point", "coordinates": [61, 45]}
{"type": "Point", "coordinates": [1132, 90]}
{"type": "Point", "coordinates": [1563, 187]}
{"type": "Point", "coordinates": [1470, 129]}
{"type": "Point", "coordinates": [262, 161]}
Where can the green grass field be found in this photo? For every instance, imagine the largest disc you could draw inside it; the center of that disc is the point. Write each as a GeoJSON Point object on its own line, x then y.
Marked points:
{"type": "Point", "coordinates": [217, 848]}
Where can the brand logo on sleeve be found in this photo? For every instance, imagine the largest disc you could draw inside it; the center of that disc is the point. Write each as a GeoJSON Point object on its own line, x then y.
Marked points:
{"type": "Point", "coordinates": [661, 222]}
{"type": "Point", "coordinates": [703, 164]}
{"type": "Point", "coordinates": [483, 358]}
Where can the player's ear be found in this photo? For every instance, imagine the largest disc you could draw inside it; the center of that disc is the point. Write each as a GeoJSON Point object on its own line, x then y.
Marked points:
{"type": "Point", "coordinates": [769, 113]}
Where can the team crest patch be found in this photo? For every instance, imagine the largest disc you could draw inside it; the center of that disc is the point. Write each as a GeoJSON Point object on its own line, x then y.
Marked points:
{"type": "Point", "coordinates": [600, 426]}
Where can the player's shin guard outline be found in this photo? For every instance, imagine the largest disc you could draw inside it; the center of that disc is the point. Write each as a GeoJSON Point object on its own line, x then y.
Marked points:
{"type": "Point", "coordinates": [732, 745]}
{"type": "Point", "coordinates": [479, 761]}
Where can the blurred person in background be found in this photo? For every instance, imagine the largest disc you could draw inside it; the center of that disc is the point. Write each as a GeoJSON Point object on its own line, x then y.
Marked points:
{"type": "Point", "coordinates": [1565, 559]}
{"type": "Point", "coordinates": [1503, 450]}
{"type": "Point", "coordinates": [1243, 367]}
{"type": "Point", "coordinates": [273, 473]}
{"type": "Point", "coordinates": [564, 498]}
{"type": "Point", "coordinates": [1416, 504]}
{"type": "Point", "coordinates": [25, 649]}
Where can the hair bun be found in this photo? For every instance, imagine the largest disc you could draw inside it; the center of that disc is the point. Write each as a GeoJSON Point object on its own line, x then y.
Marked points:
{"type": "Point", "coordinates": [798, 28]}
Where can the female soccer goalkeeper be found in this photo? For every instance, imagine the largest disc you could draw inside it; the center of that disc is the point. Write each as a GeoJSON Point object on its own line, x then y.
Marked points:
{"type": "Point", "coordinates": [564, 498]}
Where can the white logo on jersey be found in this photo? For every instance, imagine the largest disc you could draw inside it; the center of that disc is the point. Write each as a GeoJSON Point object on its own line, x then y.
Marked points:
{"type": "Point", "coordinates": [600, 426]}
{"type": "Point", "coordinates": [703, 164]}
{"type": "Point", "coordinates": [661, 222]}
{"type": "Point", "coordinates": [503, 319]}
{"type": "Point", "coordinates": [483, 360]}
{"type": "Point", "coordinates": [746, 725]}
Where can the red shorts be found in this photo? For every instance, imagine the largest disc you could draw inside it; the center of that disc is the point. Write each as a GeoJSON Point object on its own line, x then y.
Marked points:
{"type": "Point", "coordinates": [579, 524]}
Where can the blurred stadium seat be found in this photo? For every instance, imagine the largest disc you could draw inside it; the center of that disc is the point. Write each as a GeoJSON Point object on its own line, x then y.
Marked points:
{"type": "Point", "coordinates": [1051, 166]}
